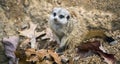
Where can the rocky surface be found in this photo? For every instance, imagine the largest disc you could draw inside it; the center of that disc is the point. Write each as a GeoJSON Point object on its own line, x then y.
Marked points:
{"type": "Point", "coordinates": [15, 15]}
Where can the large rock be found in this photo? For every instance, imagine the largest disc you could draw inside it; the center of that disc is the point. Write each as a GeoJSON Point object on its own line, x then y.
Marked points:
{"type": "Point", "coordinates": [3, 58]}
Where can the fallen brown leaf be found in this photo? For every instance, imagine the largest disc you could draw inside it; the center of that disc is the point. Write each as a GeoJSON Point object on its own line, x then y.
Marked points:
{"type": "Point", "coordinates": [85, 49]}
{"type": "Point", "coordinates": [24, 43]}
{"type": "Point", "coordinates": [49, 35]}
{"type": "Point", "coordinates": [41, 53]}
{"type": "Point", "coordinates": [45, 62]}
{"type": "Point", "coordinates": [31, 34]}
{"type": "Point", "coordinates": [30, 51]}
{"type": "Point", "coordinates": [96, 47]}
{"type": "Point", "coordinates": [42, 56]}
{"type": "Point", "coordinates": [55, 56]}
{"type": "Point", "coordinates": [108, 58]}
{"type": "Point", "coordinates": [48, 62]}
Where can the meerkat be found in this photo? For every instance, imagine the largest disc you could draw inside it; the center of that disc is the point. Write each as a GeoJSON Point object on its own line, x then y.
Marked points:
{"type": "Point", "coordinates": [69, 31]}
{"type": "Point", "coordinates": [59, 22]}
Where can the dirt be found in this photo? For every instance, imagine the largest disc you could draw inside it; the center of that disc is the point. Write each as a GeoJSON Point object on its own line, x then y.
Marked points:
{"type": "Point", "coordinates": [15, 15]}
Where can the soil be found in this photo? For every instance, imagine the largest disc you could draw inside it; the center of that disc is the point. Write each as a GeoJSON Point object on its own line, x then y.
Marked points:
{"type": "Point", "coordinates": [105, 14]}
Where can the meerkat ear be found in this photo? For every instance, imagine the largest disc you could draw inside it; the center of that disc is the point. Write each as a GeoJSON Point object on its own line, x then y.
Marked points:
{"type": "Point", "coordinates": [68, 17]}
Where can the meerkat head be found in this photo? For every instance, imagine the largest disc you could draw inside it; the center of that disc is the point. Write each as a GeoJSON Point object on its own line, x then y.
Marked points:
{"type": "Point", "coordinates": [60, 16]}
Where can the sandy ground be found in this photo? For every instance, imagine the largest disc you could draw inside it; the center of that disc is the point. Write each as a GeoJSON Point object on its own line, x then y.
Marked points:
{"type": "Point", "coordinates": [15, 15]}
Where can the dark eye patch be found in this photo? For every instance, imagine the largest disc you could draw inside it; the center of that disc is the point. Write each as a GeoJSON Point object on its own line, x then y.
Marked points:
{"type": "Point", "coordinates": [68, 17]}
{"type": "Point", "coordinates": [54, 14]}
{"type": "Point", "coordinates": [61, 16]}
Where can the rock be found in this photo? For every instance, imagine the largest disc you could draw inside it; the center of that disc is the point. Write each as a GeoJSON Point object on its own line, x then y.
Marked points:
{"type": "Point", "coordinates": [3, 57]}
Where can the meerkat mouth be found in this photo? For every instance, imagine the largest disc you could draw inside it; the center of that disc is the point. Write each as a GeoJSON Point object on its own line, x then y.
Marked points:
{"type": "Point", "coordinates": [58, 23]}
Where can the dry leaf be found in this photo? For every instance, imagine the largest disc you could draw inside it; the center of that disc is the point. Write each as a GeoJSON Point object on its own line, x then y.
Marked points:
{"type": "Point", "coordinates": [35, 56]}
{"type": "Point", "coordinates": [96, 47]}
{"type": "Point", "coordinates": [49, 35]}
{"type": "Point", "coordinates": [33, 59]}
{"type": "Point", "coordinates": [108, 58]}
{"type": "Point", "coordinates": [30, 51]}
{"type": "Point", "coordinates": [42, 53]}
{"type": "Point", "coordinates": [31, 55]}
{"type": "Point", "coordinates": [42, 56]}
{"type": "Point", "coordinates": [45, 62]}
{"type": "Point", "coordinates": [48, 62]}
{"type": "Point", "coordinates": [55, 56]}
{"type": "Point", "coordinates": [85, 49]}
{"type": "Point", "coordinates": [31, 34]}
{"type": "Point", "coordinates": [24, 43]}
{"type": "Point", "coordinates": [65, 59]}
{"type": "Point", "coordinates": [20, 53]}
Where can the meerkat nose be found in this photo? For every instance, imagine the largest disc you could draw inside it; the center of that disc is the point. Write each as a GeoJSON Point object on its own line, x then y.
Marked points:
{"type": "Point", "coordinates": [55, 19]}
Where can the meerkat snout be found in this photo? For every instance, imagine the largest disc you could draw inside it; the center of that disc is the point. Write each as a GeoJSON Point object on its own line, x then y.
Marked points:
{"type": "Point", "coordinates": [55, 19]}
{"type": "Point", "coordinates": [59, 16]}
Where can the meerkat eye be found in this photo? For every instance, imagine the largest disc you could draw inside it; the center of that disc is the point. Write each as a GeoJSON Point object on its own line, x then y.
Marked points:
{"type": "Point", "coordinates": [68, 17]}
{"type": "Point", "coordinates": [61, 16]}
{"type": "Point", "coordinates": [54, 14]}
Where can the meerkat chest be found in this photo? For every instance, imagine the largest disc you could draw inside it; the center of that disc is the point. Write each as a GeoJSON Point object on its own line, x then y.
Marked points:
{"type": "Point", "coordinates": [58, 29]}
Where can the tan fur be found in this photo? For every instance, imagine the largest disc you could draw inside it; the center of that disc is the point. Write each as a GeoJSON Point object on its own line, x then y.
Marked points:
{"type": "Point", "coordinates": [74, 32]}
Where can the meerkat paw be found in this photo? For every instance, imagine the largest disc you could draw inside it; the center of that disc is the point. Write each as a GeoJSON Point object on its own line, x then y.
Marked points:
{"type": "Point", "coordinates": [60, 50]}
